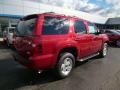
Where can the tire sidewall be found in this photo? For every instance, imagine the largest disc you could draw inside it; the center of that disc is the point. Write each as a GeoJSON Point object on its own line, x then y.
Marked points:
{"type": "Point", "coordinates": [105, 44]}
{"type": "Point", "coordinates": [61, 60]}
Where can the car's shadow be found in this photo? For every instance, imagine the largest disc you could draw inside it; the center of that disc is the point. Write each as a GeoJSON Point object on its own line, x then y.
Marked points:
{"type": "Point", "coordinates": [14, 76]}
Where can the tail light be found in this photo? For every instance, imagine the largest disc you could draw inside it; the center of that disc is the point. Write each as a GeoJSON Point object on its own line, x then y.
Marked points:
{"type": "Point", "coordinates": [36, 47]}
{"type": "Point", "coordinates": [33, 45]}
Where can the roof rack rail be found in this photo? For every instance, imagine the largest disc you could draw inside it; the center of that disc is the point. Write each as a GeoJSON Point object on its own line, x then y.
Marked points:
{"type": "Point", "coordinates": [55, 13]}
{"type": "Point", "coordinates": [49, 12]}
{"type": "Point", "coordinates": [62, 14]}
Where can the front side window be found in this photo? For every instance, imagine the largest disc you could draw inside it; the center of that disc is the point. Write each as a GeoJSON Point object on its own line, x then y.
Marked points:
{"type": "Point", "coordinates": [92, 29]}
{"type": "Point", "coordinates": [79, 27]}
{"type": "Point", "coordinates": [55, 25]}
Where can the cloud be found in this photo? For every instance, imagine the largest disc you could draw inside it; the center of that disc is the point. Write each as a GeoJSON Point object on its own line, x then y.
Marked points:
{"type": "Point", "coordinates": [113, 11]}
{"type": "Point", "coordinates": [87, 6]}
{"type": "Point", "coordinates": [83, 5]}
{"type": "Point", "coordinates": [112, 1]}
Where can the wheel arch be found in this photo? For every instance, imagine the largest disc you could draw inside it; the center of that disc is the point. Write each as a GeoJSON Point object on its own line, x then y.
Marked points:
{"type": "Point", "coordinates": [73, 50]}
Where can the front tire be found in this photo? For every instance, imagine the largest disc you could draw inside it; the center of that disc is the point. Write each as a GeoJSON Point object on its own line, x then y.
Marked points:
{"type": "Point", "coordinates": [65, 65]}
{"type": "Point", "coordinates": [103, 52]}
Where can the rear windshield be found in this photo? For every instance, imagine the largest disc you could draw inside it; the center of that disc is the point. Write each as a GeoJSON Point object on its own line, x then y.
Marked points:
{"type": "Point", "coordinates": [26, 26]}
{"type": "Point", "coordinates": [55, 25]}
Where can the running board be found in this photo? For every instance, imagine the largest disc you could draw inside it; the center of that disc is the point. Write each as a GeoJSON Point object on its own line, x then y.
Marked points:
{"type": "Point", "coordinates": [86, 58]}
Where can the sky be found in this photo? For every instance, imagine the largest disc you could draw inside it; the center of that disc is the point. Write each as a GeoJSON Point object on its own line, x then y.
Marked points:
{"type": "Point", "coordinates": [106, 8]}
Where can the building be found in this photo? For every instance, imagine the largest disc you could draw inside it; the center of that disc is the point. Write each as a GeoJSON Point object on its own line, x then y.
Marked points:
{"type": "Point", "coordinates": [111, 23]}
{"type": "Point", "coordinates": [12, 10]}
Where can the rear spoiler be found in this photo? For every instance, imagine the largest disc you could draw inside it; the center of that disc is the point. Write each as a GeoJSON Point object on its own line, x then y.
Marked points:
{"type": "Point", "coordinates": [29, 17]}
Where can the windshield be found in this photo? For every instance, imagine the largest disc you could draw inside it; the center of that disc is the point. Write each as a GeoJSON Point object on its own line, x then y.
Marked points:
{"type": "Point", "coordinates": [26, 27]}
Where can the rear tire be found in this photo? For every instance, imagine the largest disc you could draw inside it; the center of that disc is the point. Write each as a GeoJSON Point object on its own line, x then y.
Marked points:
{"type": "Point", "coordinates": [103, 52]}
{"type": "Point", "coordinates": [65, 65]}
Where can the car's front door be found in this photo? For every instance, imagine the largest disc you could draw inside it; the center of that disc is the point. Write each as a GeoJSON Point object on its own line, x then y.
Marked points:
{"type": "Point", "coordinates": [96, 38]}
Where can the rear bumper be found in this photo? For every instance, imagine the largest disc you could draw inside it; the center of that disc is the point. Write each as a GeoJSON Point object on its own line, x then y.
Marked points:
{"type": "Point", "coordinates": [35, 62]}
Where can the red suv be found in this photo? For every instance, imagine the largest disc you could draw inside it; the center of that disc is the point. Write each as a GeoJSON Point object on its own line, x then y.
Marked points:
{"type": "Point", "coordinates": [52, 41]}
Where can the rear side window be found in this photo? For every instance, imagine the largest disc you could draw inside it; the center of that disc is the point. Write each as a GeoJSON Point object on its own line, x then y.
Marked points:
{"type": "Point", "coordinates": [26, 26]}
{"type": "Point", "coordinates": [55, 25]}
{"type": "Point", "coordinates": [79, 27]}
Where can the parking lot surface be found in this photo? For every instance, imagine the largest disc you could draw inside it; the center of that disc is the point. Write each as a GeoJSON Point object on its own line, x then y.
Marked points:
{"type": "Point", "coordinates": [95, 74]}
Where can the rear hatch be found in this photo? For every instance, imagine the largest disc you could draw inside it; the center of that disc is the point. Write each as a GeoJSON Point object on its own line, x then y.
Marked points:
{"type": "Point", "coordinates": [25, 35]}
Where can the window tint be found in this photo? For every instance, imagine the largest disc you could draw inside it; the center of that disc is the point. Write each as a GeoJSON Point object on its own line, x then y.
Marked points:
{"type": "Point", "coordinates": [92, 28]}
{"type": "Point", "coordinates": [79, 27]}
{"type": "Point", "coordinates": [55, 25]}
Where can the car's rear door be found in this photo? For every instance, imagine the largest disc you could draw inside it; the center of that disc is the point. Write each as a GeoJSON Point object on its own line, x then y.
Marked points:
{"type": "Point", "coordinates": [54, 31]}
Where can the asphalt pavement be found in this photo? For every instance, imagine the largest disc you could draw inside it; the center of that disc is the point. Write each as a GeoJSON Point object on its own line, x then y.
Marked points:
{"type": "Point", "coordinates": [94, 74]}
